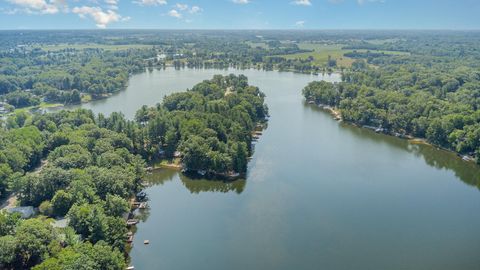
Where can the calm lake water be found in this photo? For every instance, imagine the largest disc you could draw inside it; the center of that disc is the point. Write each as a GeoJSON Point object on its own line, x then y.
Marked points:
{"type": "Point", "coordinates": [318, 195]}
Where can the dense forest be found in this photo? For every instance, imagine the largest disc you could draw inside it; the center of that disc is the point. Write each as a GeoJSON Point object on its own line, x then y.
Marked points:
{"type": "Point", "coordinates": [84, 167]}
{"type": "Point", "coordinates": [29, 76]}
{"type": "Point", "coordinates": [211, 124]}
{"type": "Point", "coordinates": [87, 167]}
{"type": "Point", "coordinates": [76, 168]}
{"type": "Point", "coordinates": [432, 93]}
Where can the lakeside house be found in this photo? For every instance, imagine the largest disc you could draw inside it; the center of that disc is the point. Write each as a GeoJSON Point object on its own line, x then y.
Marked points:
{"type": "Point", "coordinates": [25, 211]}
{"type": "Point", "coordinates": [177, 154]}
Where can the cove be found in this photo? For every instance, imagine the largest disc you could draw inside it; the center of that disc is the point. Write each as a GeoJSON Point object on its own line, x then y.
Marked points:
{"type": "Point", "coordinates": [318, 194]}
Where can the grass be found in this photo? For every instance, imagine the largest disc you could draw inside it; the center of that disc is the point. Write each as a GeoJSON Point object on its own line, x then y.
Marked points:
{"type": "Point", "coordinates": [59, 47]}
{"type": "Point", "coordinates": [86, 98]}
{"type": "Point", "coordinates": [321, 52]}
{"type": "Point", "coordinates": [385, 52]}
{"type": "Point", "coordinates": [42, 105]}
{"type": "Point", "coordinates": [175, 163]}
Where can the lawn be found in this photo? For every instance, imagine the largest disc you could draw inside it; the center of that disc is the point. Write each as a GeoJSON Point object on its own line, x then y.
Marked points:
{"type": "Point", "coordinates": [43, 105]}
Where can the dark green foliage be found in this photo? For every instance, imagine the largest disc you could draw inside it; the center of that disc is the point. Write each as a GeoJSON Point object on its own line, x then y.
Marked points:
{"type": "Point", "coordinates": [322, 93]}
{"type": "Point", "coordinates": [426, 95]}
{"type": "Point", "coordinates": [21, 99]}
{"type": "Point", "coordinates": [85, 256]}
{"type": "Point", "coordinates": [210, 124]}
{"type": "Point", "coordinates": [63, 76]}
{"type": "Point", "coordinates": [8, 223]}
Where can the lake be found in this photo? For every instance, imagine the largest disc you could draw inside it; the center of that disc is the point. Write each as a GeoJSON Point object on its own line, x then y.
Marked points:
{"type": "Point", "coordinates": [319, 194]}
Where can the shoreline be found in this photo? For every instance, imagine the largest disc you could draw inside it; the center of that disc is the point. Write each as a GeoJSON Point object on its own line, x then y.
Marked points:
{"type": "Point", "coordinates": [336, 113]}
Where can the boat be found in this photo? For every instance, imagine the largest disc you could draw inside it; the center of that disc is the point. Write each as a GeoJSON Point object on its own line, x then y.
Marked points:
{"type": "Point", "coordinates": [146, 242]}
{"type": "Point", "coordinates": [233, 175]}
{"type": "Point", "coordinates": [132, 222]}
{"type": "Point", "coordinates": [143, 205]}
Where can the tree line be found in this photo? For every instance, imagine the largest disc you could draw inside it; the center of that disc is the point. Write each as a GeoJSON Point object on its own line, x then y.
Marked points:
{"type": "Point", "coordinates": [31, 75]}
{"type": "Point", "coordinates": [432, 94]}
{"type": "Point", "coordinates": [85, 167]}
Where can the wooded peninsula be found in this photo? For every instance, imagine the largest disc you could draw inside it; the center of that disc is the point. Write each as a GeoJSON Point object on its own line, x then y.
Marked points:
{"type": "Point", "coordinates": [71, 179]}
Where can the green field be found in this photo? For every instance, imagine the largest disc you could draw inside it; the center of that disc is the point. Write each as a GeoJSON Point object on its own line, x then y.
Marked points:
{"type": "Point", "coordinates": [321, 52]}
{"type": "Point", "coordinates": [43, 105]}
{"type": "Point", "coordinates": [107, 47]}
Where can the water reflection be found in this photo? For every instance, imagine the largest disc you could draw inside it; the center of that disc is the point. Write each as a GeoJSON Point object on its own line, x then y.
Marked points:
{"type": "Point", "coordinates": [196, 186]}
{"type": "Point", "coordinates": [468, 172]}
{"type": "Point", "coordinates": [160, 176]}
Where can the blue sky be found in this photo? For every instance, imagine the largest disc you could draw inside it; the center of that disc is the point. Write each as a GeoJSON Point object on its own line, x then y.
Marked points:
{"type": "Point", "coordinates": [240, 14]}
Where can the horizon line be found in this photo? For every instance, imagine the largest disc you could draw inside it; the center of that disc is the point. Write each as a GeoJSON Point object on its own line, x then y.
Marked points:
{"type": "Point", "coordinates": [243, 29]}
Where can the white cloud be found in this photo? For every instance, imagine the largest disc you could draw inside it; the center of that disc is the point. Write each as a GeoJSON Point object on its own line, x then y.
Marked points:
{"type": "Point", "coordinates": [195, 9]}
{"type": "Point", "coordinates": [39, 6]}
{"type": "Point", "coordinates": [180, 10]}
{"type": "Point", "coordinates": [174, 13]}
{"type": "Point", "coordinates": [150, 2]}
{"type": "Point", "coordinates": [302, 2]}
{"type": "Point", "coordinates": [181, 6]}
{"type": "Point", "coordinates": [242, 2]}
{"type": "Point", "coordinates": [300, 23]}
{"type": "Point", "coordinates": [101, 18]}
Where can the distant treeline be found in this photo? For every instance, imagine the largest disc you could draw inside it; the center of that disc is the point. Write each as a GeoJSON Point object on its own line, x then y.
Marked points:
{"type": "Point", "coordinates": [29, 76]}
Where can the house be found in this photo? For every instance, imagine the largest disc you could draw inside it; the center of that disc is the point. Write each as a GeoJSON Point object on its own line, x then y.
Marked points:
{"type": "Point", "coordinates": [25, 211]}
{"type": "Point", "coordinates": [60, 223]}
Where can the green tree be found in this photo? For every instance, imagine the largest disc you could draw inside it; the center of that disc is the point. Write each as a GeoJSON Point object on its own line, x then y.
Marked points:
{"type": "Point", "coordinates": [61, 202]}
{"type": "Point", "coordinates": [33, 238]}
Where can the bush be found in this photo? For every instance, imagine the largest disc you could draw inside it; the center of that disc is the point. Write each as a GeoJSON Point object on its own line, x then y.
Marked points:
{"type": "Point", "coordinates": [46, 208]}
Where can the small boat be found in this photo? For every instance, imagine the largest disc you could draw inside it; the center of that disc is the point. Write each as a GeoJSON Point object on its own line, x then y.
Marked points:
{"type": "Point", "coordinates": [146, 242]}
{"type": "Point", "coordinates": [234, 174]}
{"type": "Point", "coordinates": [132, 222]}
{"type": "Point", "coordinates": [130, 268]}
{"type": "Point", "coordinates": [142, 205]}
